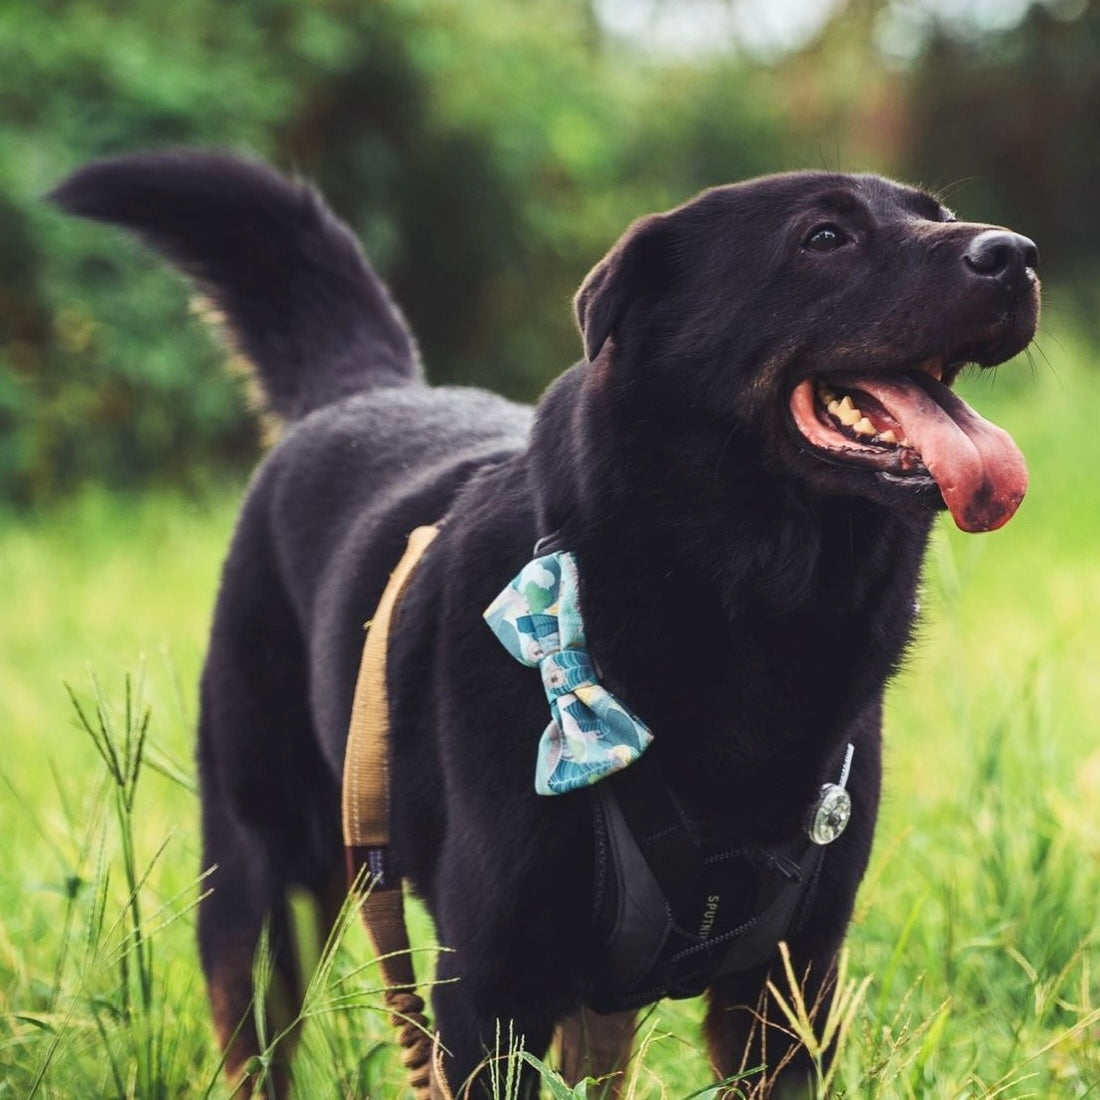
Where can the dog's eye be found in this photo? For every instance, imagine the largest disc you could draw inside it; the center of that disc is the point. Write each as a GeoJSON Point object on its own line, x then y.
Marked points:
{"type": "Point", "coordinates": [824, 238]}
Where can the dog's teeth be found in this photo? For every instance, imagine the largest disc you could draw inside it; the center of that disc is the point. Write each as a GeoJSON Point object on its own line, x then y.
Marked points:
{"type": "Point", "coordinates": [887, 436]}
{"type": "Point", "coordinates": [863, 426]}
{"type": "Point", "coordinates": [847, 413]}
{"type": "Point", "coordinates": [905, 443]}
{"type": "Point", "coordinates": [833, 406]}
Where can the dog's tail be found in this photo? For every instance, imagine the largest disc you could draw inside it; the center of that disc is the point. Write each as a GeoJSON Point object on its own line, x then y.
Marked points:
{"type": "Point", "coordinates": [301, 302]}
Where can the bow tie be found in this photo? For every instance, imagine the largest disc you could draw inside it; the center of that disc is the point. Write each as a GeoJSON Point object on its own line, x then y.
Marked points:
{"type": "Point", "coordinates": [591, 734]}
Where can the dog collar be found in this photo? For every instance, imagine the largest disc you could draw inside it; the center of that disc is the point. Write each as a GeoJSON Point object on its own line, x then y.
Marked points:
{"type": "Point", "coordinates": [591, 734]}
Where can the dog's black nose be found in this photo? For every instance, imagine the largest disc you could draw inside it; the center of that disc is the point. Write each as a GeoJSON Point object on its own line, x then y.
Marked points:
{"type": "Point", "coordinates": [1001, 254]}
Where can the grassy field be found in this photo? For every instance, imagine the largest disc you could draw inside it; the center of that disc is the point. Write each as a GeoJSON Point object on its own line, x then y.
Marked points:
{"type": "Point", "coordinates": [974, 957]}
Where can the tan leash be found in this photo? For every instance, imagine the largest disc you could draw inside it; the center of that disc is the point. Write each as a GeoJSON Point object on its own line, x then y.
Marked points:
{"type": "Point", "coordinates": [367, 836]}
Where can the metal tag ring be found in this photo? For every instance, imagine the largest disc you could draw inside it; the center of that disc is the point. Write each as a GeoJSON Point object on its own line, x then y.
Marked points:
{"type": "Point", "coordinates": [829, 817]}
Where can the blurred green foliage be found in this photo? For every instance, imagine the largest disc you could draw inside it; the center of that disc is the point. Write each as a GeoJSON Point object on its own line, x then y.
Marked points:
{"type": "Point", "coordinates": [487, 151]}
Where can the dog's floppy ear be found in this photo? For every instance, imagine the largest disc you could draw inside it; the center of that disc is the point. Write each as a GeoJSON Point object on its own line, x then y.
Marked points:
{"type": "Point", "coordinates": [636, 268]}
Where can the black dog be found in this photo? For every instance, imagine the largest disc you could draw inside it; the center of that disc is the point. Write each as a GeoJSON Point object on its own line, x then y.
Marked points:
{"type": "Point", "coordinates": [748, 554]}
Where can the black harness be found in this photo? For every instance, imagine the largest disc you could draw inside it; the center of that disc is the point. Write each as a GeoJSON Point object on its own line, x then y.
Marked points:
{"type": "Point", "coordinates": [674, 911]}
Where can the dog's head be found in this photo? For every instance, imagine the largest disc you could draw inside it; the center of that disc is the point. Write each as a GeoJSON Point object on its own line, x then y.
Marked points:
{"type": "Point", "coordinates": [826, 316]}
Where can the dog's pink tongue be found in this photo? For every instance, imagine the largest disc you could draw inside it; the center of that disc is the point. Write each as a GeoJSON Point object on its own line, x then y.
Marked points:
{"type": "Point", "coordinates": [980, 471]}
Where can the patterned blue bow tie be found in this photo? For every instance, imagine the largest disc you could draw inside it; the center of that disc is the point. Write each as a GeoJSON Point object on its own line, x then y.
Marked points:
{"type": "Point", "coordinates": [591, 734]}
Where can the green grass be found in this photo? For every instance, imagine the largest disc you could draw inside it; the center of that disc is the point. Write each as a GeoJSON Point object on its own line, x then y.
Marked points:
{"type": "Point", "coordinates": [974, 964]}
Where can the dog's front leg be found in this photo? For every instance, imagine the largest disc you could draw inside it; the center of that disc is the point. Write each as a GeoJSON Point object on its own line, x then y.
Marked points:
{"type": "Point", "coordinates": [745, 1028]}
{"type": "Point", "coordinates": [748, 1033]}
{"type": "Point", "coordinates": [593, 1045]}
{"type": "Point", "coordinates": [476, 1039]}
{"type": "Point", "coordinates": [749, 1038]}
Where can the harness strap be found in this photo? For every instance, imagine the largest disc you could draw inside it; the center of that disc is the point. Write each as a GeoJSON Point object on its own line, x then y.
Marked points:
{"type": "Point", "coordinates": [367, 833]}
{"type": "Point", "coordinates": [662, 835]}
{"type": "Point", "coordinates": [675, 911]}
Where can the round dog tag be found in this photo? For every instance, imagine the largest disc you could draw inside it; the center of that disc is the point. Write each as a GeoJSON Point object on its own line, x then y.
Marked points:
{"type": "Point", "coordinates": [829, 817]}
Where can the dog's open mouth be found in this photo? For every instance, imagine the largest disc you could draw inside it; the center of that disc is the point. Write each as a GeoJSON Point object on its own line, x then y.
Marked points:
{"type": "Point", "coordinates": [911, 427]}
